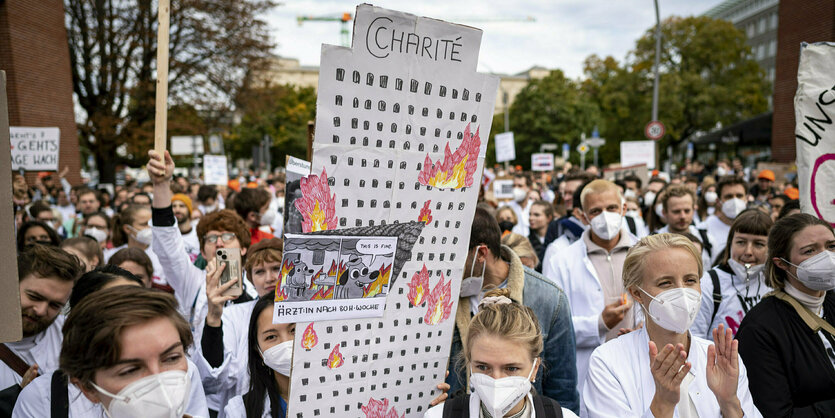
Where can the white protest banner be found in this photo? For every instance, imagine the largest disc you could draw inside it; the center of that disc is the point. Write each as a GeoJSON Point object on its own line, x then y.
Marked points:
{"type": "Point", "coordinates": [215, 170]}
{"type": "Point", "coordinates": [186, 145]}
{"type": "Point", "coordinates": [620, 173]}
{"type": "Point", "coordinates": [34, 149]}
{"type": "Point", "coordinates": [637, 152]}
{"type": "Point", "coordinates": [399, 147]}
{"type": "Point", "coordinates": [815, 136]}
{"type": "Point", "coordinates": [542, 162]}
{"type": "Point", "coordinates": [505, 147]}
{"type": "Point", "coordinates": [503, 188]}
{"type": "Point", "coordinates": [296, 169]}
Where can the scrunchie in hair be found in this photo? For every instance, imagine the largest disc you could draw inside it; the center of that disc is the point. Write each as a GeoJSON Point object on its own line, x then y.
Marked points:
{"type": "Point", "coordinates": [494, 300]}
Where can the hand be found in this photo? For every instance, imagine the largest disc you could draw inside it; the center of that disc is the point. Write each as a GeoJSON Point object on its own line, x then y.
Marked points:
{"type": "Point", "coordinates": [723, 368]}
{"type": "Point", "coordinates": [444, 387]}
{"type": "Point", "coordinates": [160, 171]}
{"type": "Point", "coordinates": [64, 172]}
{"type": "Point", "coordinates": [614, 313]}
{"type": "Point", "coordinates": [668, 370]}
{"type": "Point", "coordinates": [29, 376]}
{"type": "Point", "coordinates": [214, 293]}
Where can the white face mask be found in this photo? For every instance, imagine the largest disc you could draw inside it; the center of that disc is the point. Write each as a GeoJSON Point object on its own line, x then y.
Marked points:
{"type": "Point", "coordinates": [710, 197]}
{"type": "Point", "coordinates": [143, 237]}
{"type": "Point", "coordinates": [649, 198]}
{"type": "Point", "coordinates": [633, 213]}
{"type": "Point", "coordinates": [629, 193]}
{"type": "Point", "coordinates": [162, 395]}
{"type": "Point", "coordinates": [746, 271]}
{"type": "Point", "coordinates": [280, 201]}
{"type": "Point", "coordinates": [500, 395]}
{"type": "Point", "coordinates": [519, 194]}
{"type": "Point", "coordinates": [267, 218]}
{"type": "Point", "coordinates": [733, 207]}
{"type": "Point", "coordinates": [817, 272]}
{"type": "Point", "coordinates": [96, 234]}
{"type": "Point", "coordinates": [674, 309]}
{"type": "Point", "coordinates": [279, 357]}
{"type": "Point", "coordinates": [659, 210]}
{"type": "Point", "coordinates": [606, 225]}
{"type": "Point", "coordinates": [721, 171]}
{"type": "Point", "coordinates": [471, 285]}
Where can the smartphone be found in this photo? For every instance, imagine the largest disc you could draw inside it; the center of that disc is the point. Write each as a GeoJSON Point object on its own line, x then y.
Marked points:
{"type": "Point", "coordinates": [232, 258]}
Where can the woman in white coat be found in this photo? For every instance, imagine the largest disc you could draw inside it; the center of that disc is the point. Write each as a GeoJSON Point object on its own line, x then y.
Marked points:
{"type": "Point", "coordinates": [662, 370]}
{"type": "Point", "coordinates": [502, 356]}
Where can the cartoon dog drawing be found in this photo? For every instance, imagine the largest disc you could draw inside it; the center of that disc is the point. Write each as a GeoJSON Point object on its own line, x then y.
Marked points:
{"type": "Point", "coordinates": [299, 277]}
{"type": "Point", "coordinates": [354, 279]}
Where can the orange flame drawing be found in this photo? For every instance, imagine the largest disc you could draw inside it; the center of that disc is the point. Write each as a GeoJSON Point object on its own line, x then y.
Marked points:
{"type": "Point", "coordinates": [375, 287]}
{"type": "Point", "coordinates": [286, 267]}
{"type": "Point", "coordinates": [332, 271]}
{"type": "Point", "coordinates": [335, 359]}
{"type": "Point", "coordinates": [315, 278]}
{"type": "Point", "coordinates": [309, 338]}
{"type": "Point", "coordinates": [280, 294]}
{"type": "Point", "coordinates": [439, 303]}
{"type": "Point", "coordinates": [325, 292]}
{"type": "Point", "coordinates": [425, 213]}
{"type": "Point", "coordinates": [317, 205]}
{"type": "Point", "coordinates": [457, 169]}
{"type": "Point", "coordinates": [380, 409]}
{"type": "Point", "coordinates": [419, 287]}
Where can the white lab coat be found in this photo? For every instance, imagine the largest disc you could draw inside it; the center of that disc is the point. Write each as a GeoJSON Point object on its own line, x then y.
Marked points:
{"type": "Point", "coordinates": [231, 378]}
{"type": "Point", "coordinates": [45, 353]}
{"type": "Point", "coordinates": [620, 383]}
{"type": "Point", "coordinates": [731, 310]}
{"type": "Point", "coordinates": [35, 399]}
{"type": "Point", "coordinates": [718, 232]}
{"type": "Point", "coordinates": [437, 411]}
{"type": "Point", "coordinates": [575, 274]}
{"type": "Point", "coordinates": [549, 260]}
{"type": "Point", "coordinates": [236, 409]}
{"type": "Point", "coordinates": [523, 217]}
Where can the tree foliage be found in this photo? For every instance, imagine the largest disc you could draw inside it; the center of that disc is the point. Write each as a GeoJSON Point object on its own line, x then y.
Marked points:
{"type": "Point", "coordinates": [550, 110]}
{"type": "Point", "coordinates": [282, 112]}
{"type": "Point", "coordinates": [707, 77]}
{"type": "Point", "coordinates": [113, 47]}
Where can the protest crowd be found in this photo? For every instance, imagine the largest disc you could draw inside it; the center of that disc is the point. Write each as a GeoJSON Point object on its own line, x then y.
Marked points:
{"type": "Point", "coordinates": [701, 293]}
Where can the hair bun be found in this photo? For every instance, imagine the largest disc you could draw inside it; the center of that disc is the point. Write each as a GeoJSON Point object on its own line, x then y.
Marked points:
{"type": "Point", "coordinates": [494, 300]}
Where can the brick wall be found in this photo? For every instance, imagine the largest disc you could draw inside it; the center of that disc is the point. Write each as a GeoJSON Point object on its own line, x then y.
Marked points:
{"type": "Point", "coordinates": [800, 21]}
{"type": "Point", "coordinates": [35, 56]}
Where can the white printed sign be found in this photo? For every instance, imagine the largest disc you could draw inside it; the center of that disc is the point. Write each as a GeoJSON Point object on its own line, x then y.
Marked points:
{"type": "Point", "coordinates": [814, 134]}
{"type": "Point", "coordinates": [186, 145]}
{"type": "Point", "coordinates": [215, 170]}
{"type": "Point", "coordinates": [542, 162]}
{"type": "Point", "coordinates": [505, 147]}
{"type": "Point", "coordinates": [503, 189]}
{"type": "Point", "coordinates": [35, 149]}
{"type": "Point", "coordinates": [402, 121]}
{"type": "Point", "coordinates": [637, 152]}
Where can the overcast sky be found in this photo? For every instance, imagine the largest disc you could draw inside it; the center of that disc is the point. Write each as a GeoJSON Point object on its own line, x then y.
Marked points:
{"type": "Point", "coordinates": [564, 34]}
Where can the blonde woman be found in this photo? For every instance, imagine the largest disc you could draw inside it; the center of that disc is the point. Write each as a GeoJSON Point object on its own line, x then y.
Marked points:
{"type": "Point", "coordinates": [501, 357]}
{"type": "Point", "coordinates": [662, 370]}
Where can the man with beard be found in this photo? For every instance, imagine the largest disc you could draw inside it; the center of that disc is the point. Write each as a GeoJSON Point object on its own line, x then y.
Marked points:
{"type": "Point", "coordinates": [181, 205]}
{"type": "Point", "coordinates": [46, 276]}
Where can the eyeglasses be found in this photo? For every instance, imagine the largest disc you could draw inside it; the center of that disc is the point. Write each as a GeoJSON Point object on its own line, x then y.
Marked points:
{"type": "Point", "coordinates": [226, 237]}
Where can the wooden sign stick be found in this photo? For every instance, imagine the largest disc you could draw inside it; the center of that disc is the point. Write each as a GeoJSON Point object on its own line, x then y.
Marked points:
{"type": "Point", "coordinates": [161, 124]}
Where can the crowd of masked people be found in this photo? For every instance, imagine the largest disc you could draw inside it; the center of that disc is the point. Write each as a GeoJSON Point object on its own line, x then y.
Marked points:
{"type": "Point", "coordinates": [694, 295]}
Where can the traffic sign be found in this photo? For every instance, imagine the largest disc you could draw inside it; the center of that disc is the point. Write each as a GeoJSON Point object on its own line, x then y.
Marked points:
{"type": "Point", "coordinates": [595, 142]}
{"type": "Point", "coordinates": [583, 148]}
{"type": "Point", "coordinates": [654, 130]}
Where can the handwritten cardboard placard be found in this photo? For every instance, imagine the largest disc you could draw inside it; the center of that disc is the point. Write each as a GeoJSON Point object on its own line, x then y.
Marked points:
{"type": "Point", "coordinates": [35, 149]}
{"type": "Point", "coordinates": [215, 170]}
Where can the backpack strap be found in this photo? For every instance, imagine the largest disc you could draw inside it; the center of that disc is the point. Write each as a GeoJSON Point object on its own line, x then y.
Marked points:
{"type": "Point", "coordinates": [631, 224]}
{"type": "Point", "coordinates": [13, 360]}
{"type": "Point", "coordinates": [705, 241]}
{"type": "Point", "coordinates": [717, 293]}
{"type": "Point", "coordinates": [457, 407]}
{"type": "Point", "coordinates": [60, 402]}
{"type": "Point", "coordinates": [814, 322]}
{"type": "Point", "coordinates": [546, 407]}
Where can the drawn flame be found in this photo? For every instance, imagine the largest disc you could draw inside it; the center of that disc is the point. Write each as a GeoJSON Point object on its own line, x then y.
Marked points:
{"type": "Point", "coordinates": [425, 213]}
{"type": "Point", "coordinates": [375, 287]}
{"type": "Point", "coordinates": [309, 338]}
{"type": "Point", "coordinates": [380, 409]}
{"type": "Point", "coordinates": [419, 287]}
{"type": "Point", "coordinates": [285, 270]}
{"type": "Point", "coordinates": [325, 292]}
{"type": "Point", "coordinates": [332, 271]}
{"type": "Point", "coordinates": [457, 169]}
{"type": "Point", "coordinates": [280, 294]}
{"type": "Point", "coordinates": [335, 359]}
{"type": "Point", "coordinates": [317, 205]}
{"type": "Point", "coordinates": [439, 303]}
{"type": "Point", "coordinates": [315, 278]}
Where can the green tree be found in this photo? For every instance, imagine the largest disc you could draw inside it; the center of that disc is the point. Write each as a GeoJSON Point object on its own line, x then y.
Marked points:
{"type": "Point", "coordinates": [282, 112]}
{"type": "Point", "coordinates": [707, 77]}
{"type": "Point", "coordinates": [550, 110]}
{"type": "Point", "coordinates": [112, 43]}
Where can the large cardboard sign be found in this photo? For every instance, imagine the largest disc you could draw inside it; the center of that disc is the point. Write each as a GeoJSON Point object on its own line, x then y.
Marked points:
{"type": "Point", "coordinates": [505, 147]}
{"type": "Point", "coordinates": [10, 326]}
{"type": "Point", "coordinates": [815, 135]}
{"type": "Point", "coordinates": [620, 173]}
{"type": "Point", "coordinates": [542, 162]}
{"type": "Point", "coordinates": [637, 152]}
{"type": "Point", "coordinates": [215, 170]}
{"type": "Point", "coordinates": [296, 170]}
{"type": "Point", "coordinates": [402, 124]}
{"type": "Point", "coordinates": [34, 149]}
